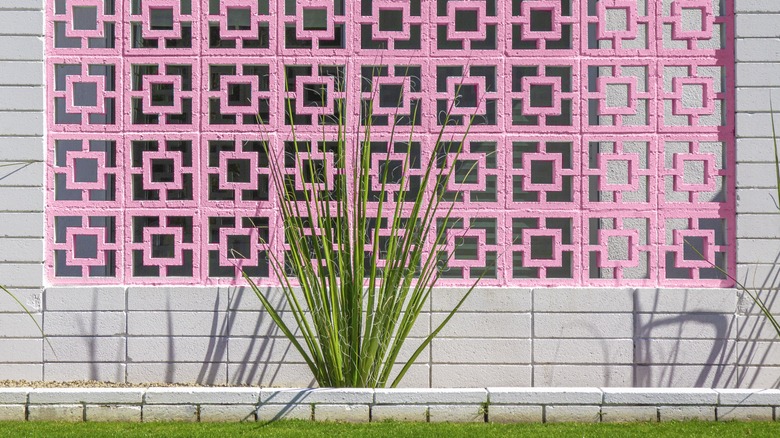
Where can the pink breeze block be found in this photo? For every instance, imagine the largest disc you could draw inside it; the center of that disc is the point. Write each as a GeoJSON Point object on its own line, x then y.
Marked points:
{"type": "Point", "coordinates": [602, 136]}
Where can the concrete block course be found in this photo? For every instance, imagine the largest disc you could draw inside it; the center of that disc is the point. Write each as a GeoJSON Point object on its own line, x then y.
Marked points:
{"type": "Point", "coordinates": [550, 396]}
{"type": "Point", "coordinates": [745, 413]}
{"type": "Point", "coordinates": [432, 396]}
{"type": "Point", "coordinates": [274, 412]}
{"type": "Point", "coordinates": [12, 412]}
{"type": "Point", "coordinates": [686, 413]}
{"type": "Point", "coordinates": [572, 414]}
{"type": "Point", "coordinates": [86, 395]}
{"type": "Point", "coordinates": [78, 299]}
{"type": "Point", "coordinates": [351, 413]}
{"type": "Point", "coordinates": [14, 395]}
{"type": "Point", "coordinates": [738, 397]}
{"type": "Point", "coordinates": [228, 413]}
{"type": "Point", "coordinates": [64, 412]}
{"type": "Point", "coordinates": [515, 414]}
{"type": "Point", "coordinates": [155, 413]}
{"type": "Point", "coordinates": [412, 413]}
{"type": "Point", "coordinates": [623, 414]}
{"type": "Point", "coordinates": [213, 396]}
{"type": "Point", "coordinates": [459, 413]}
{"type": "Point", "coordinates": [112, 413]}
{"type": "Point", "coordinates": [660, 396]}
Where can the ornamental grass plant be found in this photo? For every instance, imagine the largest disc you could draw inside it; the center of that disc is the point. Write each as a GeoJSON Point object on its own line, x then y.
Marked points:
{"type": "Point", "coordinates": [357, 272]}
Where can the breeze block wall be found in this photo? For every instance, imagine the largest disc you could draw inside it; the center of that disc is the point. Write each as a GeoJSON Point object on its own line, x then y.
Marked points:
{"type": "Point", "coordinates": [611, 123]}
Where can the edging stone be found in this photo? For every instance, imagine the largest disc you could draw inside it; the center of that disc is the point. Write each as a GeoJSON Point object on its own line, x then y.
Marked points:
{"type": "Point", "coordinates": [502, 405]}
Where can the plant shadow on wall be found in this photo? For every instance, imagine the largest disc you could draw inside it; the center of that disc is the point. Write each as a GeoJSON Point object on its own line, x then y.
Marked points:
{"type": "Point", "coordinates": [756, 324]}
{"type": "Point", "coordinates": [358, 270]}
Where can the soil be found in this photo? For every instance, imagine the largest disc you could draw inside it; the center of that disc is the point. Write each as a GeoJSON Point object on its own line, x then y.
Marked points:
{"type": "Point", "coordinates": [94, 384]}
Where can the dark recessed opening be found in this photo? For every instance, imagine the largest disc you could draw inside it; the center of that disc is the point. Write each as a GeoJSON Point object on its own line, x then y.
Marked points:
{"type": "Point", "coordinates": [466, 21]}
{"type": "Point", "coordinates": [542, 248]}
{"type": "Point", "coordinates": [390, 96]}
{"type": "Point", "coordinates": [542, 172]}
{"type": "Point", "coordinates": [391, 20]}
{"type": "Point", "coordinates": [542, 96]}
{"type": "Point", "coordinates": [541, 20]}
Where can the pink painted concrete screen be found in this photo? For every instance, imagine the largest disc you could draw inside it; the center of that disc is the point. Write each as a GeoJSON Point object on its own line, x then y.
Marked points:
{"type": "Point", "coordinates": [604, 135]}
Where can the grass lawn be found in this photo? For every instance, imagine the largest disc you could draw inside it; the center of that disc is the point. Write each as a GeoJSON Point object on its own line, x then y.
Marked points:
{"type": "Point", "coordinates": [395, 430]}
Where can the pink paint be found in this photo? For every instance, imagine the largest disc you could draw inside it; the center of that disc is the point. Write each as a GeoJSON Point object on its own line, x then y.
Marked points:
{"type": "Point", "coordinates": [597, 149]}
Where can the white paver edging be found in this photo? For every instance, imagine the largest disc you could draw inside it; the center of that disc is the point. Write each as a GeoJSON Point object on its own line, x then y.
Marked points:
{"type": "Point", "coordinates": [363, 405]}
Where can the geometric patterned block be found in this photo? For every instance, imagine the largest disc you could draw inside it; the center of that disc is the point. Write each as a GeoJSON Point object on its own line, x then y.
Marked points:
{"type": "Point", "coordinates": [398, 25]}
{"type": "Point", "coordinates": [88, 27]}
{"type": "Point", "coordinates": [238, 95]}
{"type": "Point", "coordinates": [695, 28]}
{"type": "Point", "coordinates": [694, 96]}
{"type": "Point", "coordinates": [544, 247]}
{"type": "Point", "coordinates": [84, 94]}
{"type": "Point", "coordinates": [542, 95]}
{"type": "Point", "coordinates": [236, 241]}
{"type": "Point", "coordinates": [86, 247]}
{"type": "Point", "coordinates": [162, 94]}
{"type": "Point", "coordinates": [162, 245]}
{"type": "Point", "coordinates": [239, 27]}
{"type": "Point", "coordinates": [308, 25]}
{"type": "Point", "coordinates": [85, 168]}
{"type": "Point", "coordinates": [471, 27]}
{"type": "Point", "coordinates": [694, 173]}
{"type": "Point", "coordinates": [620, 95]}
{"type": "Point", "coordinates": [619, 172]}
{"type": "Point", "coordinates": [544, 27]}
{"type": "Point", "coordinates": [575, 135]}
{"type": "Point", "coordinates": [469, 247]}
{"type": "Point", "coordinates": [619, 28]}
{"type": "Point", "coordinates": [686, 236]}
{"type": "Point", "coordinates": [468, 96]}
{"type": "Point", "coordinates": [162, 170]}
{"type": "Point", "coordinates": [544, 173]}
{"type": "Point", "coordinates": [620, 247]}
{"type": "Point", "coordinates": [162, 27]}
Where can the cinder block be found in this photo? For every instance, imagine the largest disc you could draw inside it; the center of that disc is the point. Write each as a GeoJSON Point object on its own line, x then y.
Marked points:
{"type": "Point", "coordinates": [686, 413]}
{"type": "Point", "coordinates": [749, 397]}
{"type": "Point", "coordinates": [342, 413]}
{"type": "Point", "coordinates": [747, 248]}
{"type": "Point", "coordinates": [113, 413]}
{"type": "Point", "coordinates": [583, 375]}
{"type": "Point", "coordinates": [686, 301]}
{"type": "Point", "coordinates": [12, 413]}
{"type": "Point", "coordinates": [170, 413]}
{"type": "Point", "coordinates": [324, 396]}
{"type": "Point", "coordinates": [745, 413]}
{"type": "Point", "coordinates": [758, 50]}
{"type": "Point", "coordinates": [479, 376]}
{"type": "Point", "coordinates": [20, 350]}
{"type": "Point", "coordinates": [716, 375]}
{"type": "Point", "coordinates": [94, 396]}
{"type": "Point", "coordinates": [103, 298]}
{"type": "Point", "coordinates": [755, 150]}
{"type": "Point", "coordinates": [583, 325]}
{"type": "Point", "coordinates": [759, 376]}
{"type": "Point", "coordinates": [277, 375]}
{"type": "Point", "coordinates": [21, 124]}
{"type": "Point", "coordinates": [758, 225]}
{"type": "Point", "coordinates": [85, 349]}
{"type": "Point", "coordinates": [22, 48]}
{"type": "Point", "coordinates": [22, 371]}
{"type": "Point", "coordinates": [177, 372]}
{"type": "Point", "coordinates": [660, 396]}
{"type": "Point", "coordinates": [180, 348]}
{"type": "Point", "coordinates": [270, 349]}
{"type": "Point", "coordinates": [180, 298]}
{"type": "Point", "coordinates": [14, 395]}
{"type": "Point", "coordinates": [756, 6]}
{"type": "Point", "coordinates": [21, 224]}
{"type": "Point", "coordinates": [622, 414]}
{"type": "Point", "coordinates": [100, 371]}
{"type": "Point", "coordinates": [583, 300]}
{"type": "Point", "coordinates": [430, 396]}
{"type": "Point", "coordinates": [413, 413]}
{"type": "Point", "coordinates": [86, 323]}
{"type": "Point", "coordinates": [465, 351]}
{"type": "Point", "coordinates": [544, 396]}
{"type": "Point", "coordinates": [31, 298]}
{"type": "Point", "coordinates": [29, 174]}
{"type": "Point", "coordinates": [417, 376]}
{"type": "Point", "coordinates": [684, 351]}
{"type": "Point", "coordinates": [752, 201]}
{"type": "Point", "coordinates": [69, 412]}
{"type": "Point", "coordinates": [22, 4]}
{"type": "Point", "coordinates": [572, 414]}
{"type": "Point", "coordinates": [584, 351]}
{"type": "Point", "coordinates": [482, 299]}
{"type": "Point", "coordinates": [20, 73]}
{"type": "Point", "coordinates": [274, 412]}
{"type": "Point", "coordinates": [685, 326]}
{"type": "Point", "coordinates": [19, 325]}
{"type": "Point", "coordinates": [228, 413]}
{"type": "Point", "coordinates": [175, 323]}
{"type": "Point", "coordinates": [211, 396]}
{"type": "Point", "coordinates": [28, 275]}
{"type": "Point", "coordinates": [484, 325]}
{"type": "Point", "coordinates": [28, 22]}
{"type": "Point", "coordinates": [515, 414]}
{"type": "Point", "coordinates": [21, 250]}
{"type": "Point", "coordinates": [21, 98]}
{"type": "Point", "coordinates": [456, 413]}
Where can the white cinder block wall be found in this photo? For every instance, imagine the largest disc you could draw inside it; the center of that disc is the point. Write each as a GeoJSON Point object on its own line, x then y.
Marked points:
{"type": "Point", "coordinates": [503, 337]}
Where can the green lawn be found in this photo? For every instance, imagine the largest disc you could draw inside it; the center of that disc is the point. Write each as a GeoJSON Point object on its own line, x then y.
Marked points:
{"type": "Point", "coordinates": [395, 430]}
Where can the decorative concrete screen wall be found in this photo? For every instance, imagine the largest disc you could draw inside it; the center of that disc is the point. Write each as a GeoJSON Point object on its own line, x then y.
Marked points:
{"type": "Point", "coordinates": [603, 138]}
